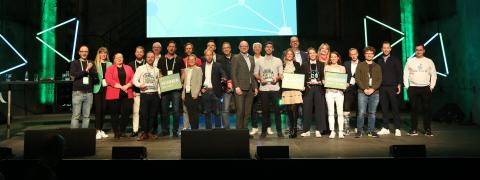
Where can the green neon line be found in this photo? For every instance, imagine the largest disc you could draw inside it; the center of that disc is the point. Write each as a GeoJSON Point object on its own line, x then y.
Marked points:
{"type": "Point", "coordinates": [49, 19]}
{"type": "Point", "coordinates": [407, 21]}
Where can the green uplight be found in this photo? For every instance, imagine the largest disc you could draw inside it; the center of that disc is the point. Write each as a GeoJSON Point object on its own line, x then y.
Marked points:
{"type": "Point", "coordinates": [49, 19]}
{"type": "Point", "coordinates": [407, 15]}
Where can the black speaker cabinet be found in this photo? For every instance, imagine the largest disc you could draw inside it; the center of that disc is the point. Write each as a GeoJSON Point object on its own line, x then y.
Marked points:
{"type": "Point", "coordinates": [408, 151]}
{"type": "Point", "coordinates": [272, 152]}
{"type": "Point", "coordinates": [215, 144]}
{"type": "Point", "coordinates": [78, 142]}
{"type": "Point", "coordinates": [127, 152]}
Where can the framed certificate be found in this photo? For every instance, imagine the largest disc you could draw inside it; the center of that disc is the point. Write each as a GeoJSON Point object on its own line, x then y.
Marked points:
{"type": "Point", "coordinates": [334, 80]}
{"type": "Point", "coordinates": [293, 81]}
{"type": "Point", "coordinates": [170, 83]}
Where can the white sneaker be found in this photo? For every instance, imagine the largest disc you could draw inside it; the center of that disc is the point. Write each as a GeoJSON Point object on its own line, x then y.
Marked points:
{"type": "Point", "coordinates": [355, 130]}
{"type": "Point", "coordinates": [103, 134]}
{"type": "Point", "coordinates": [398, 133]}
{"type": "Point", "coordinates": [340, 135]}
{"type": "Point", "coordinates": [332, 135]}
{"type": "Point", "coordinates": [254, 131]}
{"type": "Point", "coordinates": [269, 131]}
{"type": "Point", "coordinates": [98, 136]}
{"type": "Point", "coordinates": [306, 134]}
{"type": "Point", "coordinates": [318, 134]}
{"type": "Point", "coordinates": [384, 132]}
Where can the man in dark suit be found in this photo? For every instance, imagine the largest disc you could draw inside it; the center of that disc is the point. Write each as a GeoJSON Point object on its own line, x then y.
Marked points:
{"type": "Point", "coordinates": [300, 56]}
{"type": "Point", "coordinates": [212, 89]}
{"type": "Point", "coordinates": [350, 94]}
{"type": "Point", "coordinates": [244, 81]}
{"type": "Point", "coordinates": [212, 46]}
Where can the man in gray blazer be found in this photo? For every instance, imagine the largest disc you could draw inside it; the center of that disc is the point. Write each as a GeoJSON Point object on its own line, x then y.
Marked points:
{"type": "Point", "coordinates": [243, 66]}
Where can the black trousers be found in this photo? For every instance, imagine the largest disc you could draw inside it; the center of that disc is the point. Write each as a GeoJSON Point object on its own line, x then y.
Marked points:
{"type": "Point", "coordinates": [148, 111]}
{"type": "Point", "coordinates": [211, 105]}
{"type": "Point", "coordinates": [389, 103]}
{"type": "Point", "coordinates": [314, 100]}
{"type": "Point", "coordinates": [420, 97]}
{"type": "Point", "coordinates": [350, 99]}
{"type": "Point", "coordinates": [292, 113]}
{"type": "Point", "coordinates": [100, 108]}
{"type": "Point", "coordinates": [192, 109]}
{"type": "Point", "coordinates": [255, 106]}
{"type": "Point", "coordinates": [270, 103]}
{"type": "Point", "coordinates": [120, 107]}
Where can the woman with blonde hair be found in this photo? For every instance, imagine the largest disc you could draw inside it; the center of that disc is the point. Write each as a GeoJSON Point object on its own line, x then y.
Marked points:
{"type": "Point", "coordinates": [291, 97]}
{"type": "Point", "coordinates": [102, 62]}
{"type": "Point", "coordinates": [323, 53]}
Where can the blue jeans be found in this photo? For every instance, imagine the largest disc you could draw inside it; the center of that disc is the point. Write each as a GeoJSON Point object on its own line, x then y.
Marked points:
{"type": "Point", "coordinates": [227, 99]}
{"type": "Point", "coordinates": [372, 103]}
{"type": "Point", "coordinates": [167, 98]}
{"type": "Point", "coordinates": [81, 103]}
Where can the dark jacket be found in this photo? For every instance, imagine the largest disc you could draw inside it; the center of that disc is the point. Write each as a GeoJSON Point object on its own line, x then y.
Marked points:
{"type": "Point", "coordinates": [320, 70]}
{"type": "Point", "coordinates": [362, 78]}
{"type": "Point", "coordinates": [78, 73]}
{"type": "Point", "coordinates": [241, 76]}
{"type": "Point", "coordinates": [348, 68]}
{"type": "Point", "coordinates": [217, 75]}
{"type": "Point", "coordinates": [391, 71]}
{"type": "Point", "coordinates": [226, 65]}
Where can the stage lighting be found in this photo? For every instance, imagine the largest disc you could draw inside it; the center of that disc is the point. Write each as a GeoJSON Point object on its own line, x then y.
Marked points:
{"type": "Point", "coordinates": [74, 38]}
{"type": "Point", "coordinates": [384, 25]}
{"type": "Point", "coordinates": [16, 52]}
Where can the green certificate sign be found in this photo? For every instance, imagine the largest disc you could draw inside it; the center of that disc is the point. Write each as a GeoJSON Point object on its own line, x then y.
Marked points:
{"type": "Point", "coordinates": [170, 83]}
{"type": "Point", "coordinates": [335, 80]}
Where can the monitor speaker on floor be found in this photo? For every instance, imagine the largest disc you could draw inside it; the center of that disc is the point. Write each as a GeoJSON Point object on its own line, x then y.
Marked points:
{"type": "Point", "coordinates": [215, 144]}
{"type": "Point", "coordinates": [77, 142]}
{"type": "Point", "coordinates": [272, 152]}
{"type": "Point", "coordinates": [408, 151]}
{"type": "Point", "coordinates": [133, 152]}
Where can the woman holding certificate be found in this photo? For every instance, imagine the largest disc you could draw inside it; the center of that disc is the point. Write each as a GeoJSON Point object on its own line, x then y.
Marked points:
{"type": "Point", "coordinates": [335, 96]}
{"type": "Point", "coordinates": [291, 97]}
{"type": "Point", "coordinates": [314, 98]}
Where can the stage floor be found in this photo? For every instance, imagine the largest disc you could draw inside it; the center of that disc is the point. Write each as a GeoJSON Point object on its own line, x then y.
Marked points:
{"type": "Point", "coordinates": [450, 140]}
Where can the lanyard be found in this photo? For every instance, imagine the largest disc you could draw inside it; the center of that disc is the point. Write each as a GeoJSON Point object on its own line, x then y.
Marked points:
{"type": "Point", "coordinates": [81, 64]}
{"type": "Point", "coordinates": [173, 66]}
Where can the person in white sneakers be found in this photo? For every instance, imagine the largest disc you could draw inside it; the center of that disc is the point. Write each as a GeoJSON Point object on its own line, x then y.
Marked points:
{"type": "Point", "coordinates": [314, 98]}
{"type": "Point", "coordinates": [335, 96]}
{"type": "Point", "coordinates": [420, 77]}
{"type": "Point", "coordinates": [390, 88]}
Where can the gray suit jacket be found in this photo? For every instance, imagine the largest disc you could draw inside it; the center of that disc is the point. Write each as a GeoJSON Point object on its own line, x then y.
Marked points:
{"type": "Point", "coordinates": [241, 76]}
{"type": "Point", "coordinates": [195, 82]}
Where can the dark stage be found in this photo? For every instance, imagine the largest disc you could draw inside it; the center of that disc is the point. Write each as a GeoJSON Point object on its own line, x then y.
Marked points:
{"type": "Point", "coordinates": [450, 141]}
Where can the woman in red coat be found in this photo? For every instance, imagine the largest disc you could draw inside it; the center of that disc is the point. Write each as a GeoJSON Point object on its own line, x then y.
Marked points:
{"type": "Point", "coordinates": [119, 94]}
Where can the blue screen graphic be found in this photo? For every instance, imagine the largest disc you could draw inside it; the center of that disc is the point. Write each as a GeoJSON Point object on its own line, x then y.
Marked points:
{"type": "Point", "coordinates": [215, 18]}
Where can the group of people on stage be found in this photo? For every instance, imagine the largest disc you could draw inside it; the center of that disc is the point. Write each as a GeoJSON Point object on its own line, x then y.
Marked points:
{"type": "Point", "coordinates": [213, 81]}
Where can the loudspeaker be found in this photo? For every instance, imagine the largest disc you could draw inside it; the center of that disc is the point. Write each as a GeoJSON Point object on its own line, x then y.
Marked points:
{"type": "Point", "coordinates": [272, 152]}
{"type": "Point", "coordinates": [139, 152]}
{"type": "Point", "coordinates": [215, 144]}
{"type": "Point", "coordinates": [78, 142]}
{"type": "Point", "coordinates": [408, 151]}
{"type": "Point", "coordinates": [5, 153]}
